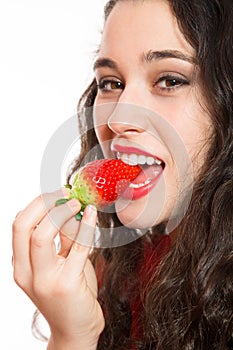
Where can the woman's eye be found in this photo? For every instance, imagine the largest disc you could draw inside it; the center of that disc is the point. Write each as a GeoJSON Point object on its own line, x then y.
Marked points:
{"type": "Point", "coordinates": [171, 82]}
{"type": "Point", "coordinates": [110, 85]}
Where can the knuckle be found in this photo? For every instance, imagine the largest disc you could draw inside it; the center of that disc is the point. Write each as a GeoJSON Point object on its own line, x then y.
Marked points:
{"type": "Point", "coordinates": [19, 224]}
{"type": "Point", "coordinates": [15, 224]}
{"type": "Point", "coordinates": [38, 240]}
{"type": "Point", "coordinates": [20, 278]}
{"type": "Point", "coordinates": [38, 199]}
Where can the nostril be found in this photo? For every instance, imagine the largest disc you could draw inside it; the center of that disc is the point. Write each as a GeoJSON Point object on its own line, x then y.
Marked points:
{"type": "Point", "coordinates": [123, 127]}
{"type": "Point", "coordinates": [128, 118]}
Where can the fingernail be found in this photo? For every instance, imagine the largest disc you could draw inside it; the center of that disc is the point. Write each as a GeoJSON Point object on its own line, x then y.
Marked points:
{"type": "Point", "coordinates": [89, 214]}
{"type": "Point", "coordinates": [89, 210]}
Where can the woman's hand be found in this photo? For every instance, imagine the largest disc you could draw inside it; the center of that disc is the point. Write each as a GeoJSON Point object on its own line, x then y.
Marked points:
{"type": "Point", "coordinates": [61, 284]}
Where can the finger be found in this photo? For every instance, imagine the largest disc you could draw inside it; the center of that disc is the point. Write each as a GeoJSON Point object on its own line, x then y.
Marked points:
{"type": "Point", "coordinates": [80, 250]}
{"type": "Point", "coordinates": [68, 234]}
{"type": "Point", "coordinates": [25, 222]}
{"type": "Point", "coordinates": [43, 250]}
{"type": "Point", "coordinates": [22, 228]}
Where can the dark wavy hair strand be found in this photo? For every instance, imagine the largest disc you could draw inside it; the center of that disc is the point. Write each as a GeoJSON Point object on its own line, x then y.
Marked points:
{"type": "Point", "coordinates": [188, 302]}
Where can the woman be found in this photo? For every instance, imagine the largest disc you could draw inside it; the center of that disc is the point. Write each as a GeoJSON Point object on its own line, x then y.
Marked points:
{"type": "Point", "coordinates": [163, 75]}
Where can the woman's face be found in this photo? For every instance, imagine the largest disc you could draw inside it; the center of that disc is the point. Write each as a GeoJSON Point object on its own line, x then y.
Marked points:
{"type": "Point", "coordinates": [149, 109]}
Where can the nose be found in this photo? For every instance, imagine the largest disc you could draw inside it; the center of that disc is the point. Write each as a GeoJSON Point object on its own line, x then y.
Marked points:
{"type": "Point", "coordinates": [129, 114]}
{"type": "Point", "coordinates": [127, 117]}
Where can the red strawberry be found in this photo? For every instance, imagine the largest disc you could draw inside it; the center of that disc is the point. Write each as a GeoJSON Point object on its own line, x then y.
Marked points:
{"type": "Point", "coordinates": [101, 182]}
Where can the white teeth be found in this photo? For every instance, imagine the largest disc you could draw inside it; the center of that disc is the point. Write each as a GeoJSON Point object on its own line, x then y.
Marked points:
{"type": "Point", "coordinates": [158, 162]}
{"type": "Point", "coordinates": [134, 159]}
{"type": "Point", "coordinates": [150, 160]}
{"type": "Point", "coordinates": [141, 159]}
{"type": "Point", "coordinates": [124, 158]}
{"type": "Point", "coordinates": [130, 159]}
{"type": "Point", "coordinates": [141, 184]}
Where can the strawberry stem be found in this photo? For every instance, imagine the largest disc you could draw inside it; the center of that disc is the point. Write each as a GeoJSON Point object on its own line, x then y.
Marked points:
{"type": "Point", "coordinates": [68, 186]}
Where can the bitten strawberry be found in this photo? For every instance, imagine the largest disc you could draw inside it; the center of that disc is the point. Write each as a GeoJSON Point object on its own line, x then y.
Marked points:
{"type": "Point", "coordinates": [101, 182]}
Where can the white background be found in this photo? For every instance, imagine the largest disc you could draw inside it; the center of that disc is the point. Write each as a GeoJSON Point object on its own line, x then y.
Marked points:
{"type": "Point", "coordinates": [46, 55]}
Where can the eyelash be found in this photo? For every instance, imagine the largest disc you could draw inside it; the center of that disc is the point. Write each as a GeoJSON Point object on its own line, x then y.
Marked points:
{"type": "Point", "coordinates": [103, 82]}
{"type": "Point", "coordinates": [172, 79]}
{"type": "Point", "coordinates": [177, 80]}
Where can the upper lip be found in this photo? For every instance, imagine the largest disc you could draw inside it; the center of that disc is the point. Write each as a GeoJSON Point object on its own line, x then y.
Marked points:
{"type": "Point", "coordinates": [132, 149]}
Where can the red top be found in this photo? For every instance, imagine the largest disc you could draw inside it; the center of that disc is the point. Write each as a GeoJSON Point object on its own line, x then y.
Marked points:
{"type": "Point", "coordinates": [153, 253]}
{"type": "Point", "coordinates": [150, 261]}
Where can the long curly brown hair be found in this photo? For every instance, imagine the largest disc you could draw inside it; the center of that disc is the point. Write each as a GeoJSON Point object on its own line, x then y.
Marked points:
{"type": "Point", "coordinates": [188, 302]}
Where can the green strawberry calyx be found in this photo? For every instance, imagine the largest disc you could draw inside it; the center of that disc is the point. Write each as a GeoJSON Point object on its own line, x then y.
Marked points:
{"type": "Point", "coordinates": [73, 194]}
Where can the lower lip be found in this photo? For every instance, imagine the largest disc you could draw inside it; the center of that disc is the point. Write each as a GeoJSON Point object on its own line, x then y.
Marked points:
{"type": "Point", "coordinates": [136, 193]}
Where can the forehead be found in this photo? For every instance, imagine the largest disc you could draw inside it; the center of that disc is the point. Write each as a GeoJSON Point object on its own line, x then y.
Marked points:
{"type": "Point", "coordinates": [142, 26]}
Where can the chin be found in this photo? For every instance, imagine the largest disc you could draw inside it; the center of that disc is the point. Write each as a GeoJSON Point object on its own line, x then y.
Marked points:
{"type": "Point", "coordinates": [144, 214]}
{"type": "Point", "coordinates": [136, 216]}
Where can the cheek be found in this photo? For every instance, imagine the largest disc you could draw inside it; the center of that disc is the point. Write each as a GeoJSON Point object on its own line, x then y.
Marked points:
{"type": "Point", "coordinates": [100, 125]}
{"type": "Point", "coordinates": [197, 141]}
{"type": "Point", "coordinates": [103, 133]}
{"type": "Point", "coordinates": [104, 138]}
{"type": "Point", "coordinates": [194, 126]}
{"type": "Point", "coordinates": [101, 113]}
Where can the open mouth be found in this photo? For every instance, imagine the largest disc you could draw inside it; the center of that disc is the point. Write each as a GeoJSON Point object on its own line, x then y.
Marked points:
{"type": "Point", "coordinates": [138, 159]}
{"type": "Point", "coordinates": [152, 168]}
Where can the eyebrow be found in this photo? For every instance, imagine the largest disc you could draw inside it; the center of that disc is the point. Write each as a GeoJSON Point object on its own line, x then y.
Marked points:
{"type": "Point", "coordinates": [147, 57]}
{"type": "Point", "coordinates": [157, 55]}
{"type": "Point", "coordinates": [104, 62]}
